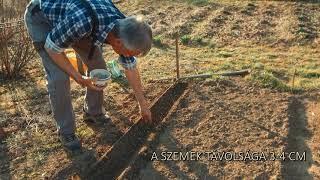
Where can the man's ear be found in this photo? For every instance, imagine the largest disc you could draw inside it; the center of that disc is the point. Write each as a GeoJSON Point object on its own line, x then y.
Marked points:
{"type": "Point", "coordinates": [117, 42]}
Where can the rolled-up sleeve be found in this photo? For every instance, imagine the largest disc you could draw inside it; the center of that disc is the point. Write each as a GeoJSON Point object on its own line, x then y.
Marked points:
{"type": "Point", "coordinates": [52, 46]}
{"type": "Point", "coordinates": [67, 32]}
{"type": "Point", "coordinates": [128, 62]}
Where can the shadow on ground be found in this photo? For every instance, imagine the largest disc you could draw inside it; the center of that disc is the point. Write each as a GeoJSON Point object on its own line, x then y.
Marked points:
{"type": "Point", "coordinates": [83, 161]}
{"type": "Point", "coordinates": [293, 168]}
{"type": "Point", "coordinates": [199, 169]}
{"type": "Point", "coordinates": [5, 173]}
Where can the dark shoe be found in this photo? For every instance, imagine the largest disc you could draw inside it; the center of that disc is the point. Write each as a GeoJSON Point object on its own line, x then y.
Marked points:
{"type": "Point", "coordinates": [70, 142]}
{"type": "Point", "coordinates": [95, 118]}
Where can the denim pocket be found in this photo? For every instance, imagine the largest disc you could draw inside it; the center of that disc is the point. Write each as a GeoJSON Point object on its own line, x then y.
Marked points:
{"type": "Point", "coordinates": [37, 17]}
{"type": "Point", "coordinates": [40, 18]}
{"type": "Point", "coordinates": [29, 5]}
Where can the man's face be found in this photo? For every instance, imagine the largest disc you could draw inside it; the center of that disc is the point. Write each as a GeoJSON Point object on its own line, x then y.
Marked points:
{"type": "Point", "coordinates": [120, 49]}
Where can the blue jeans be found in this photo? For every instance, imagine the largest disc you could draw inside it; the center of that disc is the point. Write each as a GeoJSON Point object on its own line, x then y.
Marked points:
{"type": "Point", "coordinates": [58, 82]}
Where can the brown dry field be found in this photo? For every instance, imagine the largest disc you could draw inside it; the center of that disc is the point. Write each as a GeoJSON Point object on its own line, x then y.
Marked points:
{"type": "Point", "coordinates": [233, 116]}
{"type": "Point", "coordinates": [261, 113]}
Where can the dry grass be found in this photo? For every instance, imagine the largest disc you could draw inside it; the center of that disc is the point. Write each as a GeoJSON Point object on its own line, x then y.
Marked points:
{"type": "Point", "coordinates": [12, 9]}
{"type": "Point", "coordinates": [234, 35]}
{"type": "Point", "coordinates": [273, 38]}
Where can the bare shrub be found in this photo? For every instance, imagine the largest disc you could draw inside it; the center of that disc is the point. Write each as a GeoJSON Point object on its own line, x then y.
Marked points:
{"type": "Point", "coordinates": [12, 8]}
{"type": "Point", "coordinates": [16, 48]}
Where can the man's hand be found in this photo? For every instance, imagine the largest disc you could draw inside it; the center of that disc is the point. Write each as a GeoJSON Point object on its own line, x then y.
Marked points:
{"type": "Point", "coordinates": [88, 82]}
{"type": "Point", "coordinates": [145, 113]}
{"type": "Point", "coordinates": [135, 82]}
{"type": "Point", "coordinates": [62, 61]}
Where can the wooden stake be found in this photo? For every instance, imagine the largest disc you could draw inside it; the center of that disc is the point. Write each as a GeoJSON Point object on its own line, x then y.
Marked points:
{"type": "Point", "coordinates": [294, 76]}
{"type": "Point", "coordinates": [177, 57]}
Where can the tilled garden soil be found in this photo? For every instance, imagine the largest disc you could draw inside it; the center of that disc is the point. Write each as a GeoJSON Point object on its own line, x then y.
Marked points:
{"type": "Point", "coordinates": [231, 129]}
{"type": "Point", "coordinates": [29, 147]}
{"type": "Point", "coordinates": [215, 116]}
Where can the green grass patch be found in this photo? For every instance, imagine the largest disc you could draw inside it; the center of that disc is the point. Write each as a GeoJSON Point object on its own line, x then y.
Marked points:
{"type": "Point", "coordinates": [272, 56]}
{"type": "Point", "coordinates": [268, 80]}
{"type": "Point", "coordinates": [308, 84]}
{"type": "Point", "coordinates": [308, 74]}
{"type": "Point", "coordinates": [199, 2]}
{"type": "Point", "coordinates": [226, 66]}
{"type": "Point", "coordinates": [224, 54]}
{"type": "Point", "coordinates": [311, 66]}
{"type": "Point", "coordinates": [194, 41]}
{"type": "Point", "coordinates": [158, 41]}
{"type": "Point", "coordinates": [185, 39]}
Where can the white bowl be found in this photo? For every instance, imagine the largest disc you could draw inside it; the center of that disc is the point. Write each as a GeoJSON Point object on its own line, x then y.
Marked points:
{"type": "Point", "coordinates": [102, 76]}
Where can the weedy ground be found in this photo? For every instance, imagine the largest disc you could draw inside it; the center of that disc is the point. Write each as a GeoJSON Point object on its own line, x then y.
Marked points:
{"type": "Point", "coordinates": [278, 40]}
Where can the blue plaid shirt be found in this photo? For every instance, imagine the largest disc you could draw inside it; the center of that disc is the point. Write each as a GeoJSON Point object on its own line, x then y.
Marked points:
{"type": "Point", "coordinates": [71, 21]}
